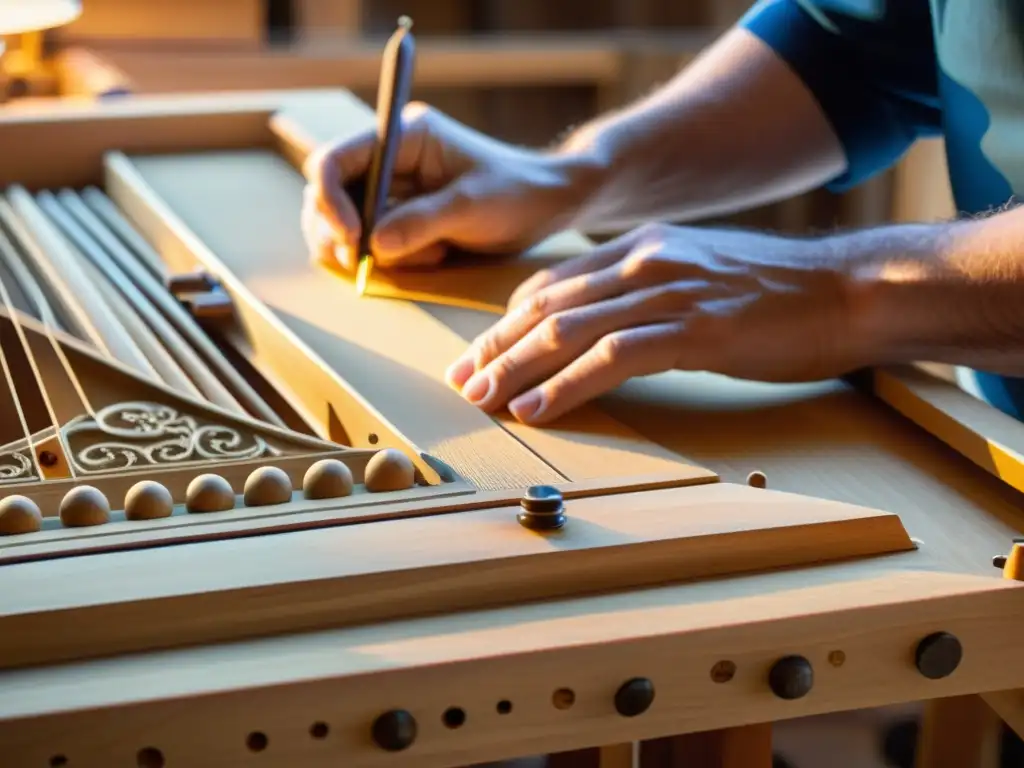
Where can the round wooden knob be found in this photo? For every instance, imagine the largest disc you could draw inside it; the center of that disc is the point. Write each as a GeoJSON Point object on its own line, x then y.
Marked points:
{"type": "Point", "coordinates": [209, 493]}
{"type": "Point", "coordinates": [938, 655]}
{"type": "Point", "coordinates": [266, 486]}
{"type": "Point", "coordinates": [84, 506]}
{"type": "Point", "coordinates": [148, 500]}
{"type": "Point", "coordinates": [634, 697]}
{"type": "Point", "coordinates": [389, 470]}
{"type": "Point", "coordinates": [327, 479]}
{"type": "Point", "coordinates": [19, 514]}
{"type": "Point", "coordinates": [791, 677]}
{"type": "Point", "coordinates": [394, 730]}
{"type": "Point", "coordinates": [757, 479]}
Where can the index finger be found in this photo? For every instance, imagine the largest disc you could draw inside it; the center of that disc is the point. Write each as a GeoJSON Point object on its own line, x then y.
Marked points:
{"type": "Point", "coordinates": [328, 168]}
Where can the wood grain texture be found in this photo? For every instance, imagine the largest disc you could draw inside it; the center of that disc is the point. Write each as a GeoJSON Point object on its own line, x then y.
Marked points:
{"type": "Point", "coordinates": [364, 573]}
{"type": "Point", "coordinates": [103, 711]}
{"type": "Point", "coordinates": [391, 352]}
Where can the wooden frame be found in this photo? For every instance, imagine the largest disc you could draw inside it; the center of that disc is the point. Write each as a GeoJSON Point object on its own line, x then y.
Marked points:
{"type": "Point", "coordinates": [435, 598]}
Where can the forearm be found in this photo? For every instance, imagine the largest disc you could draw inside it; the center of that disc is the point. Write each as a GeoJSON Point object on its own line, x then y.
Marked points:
{"type": "Point", "coordinates": [735, 129]}
{"type": "Point", "coordinates": [947, 293]}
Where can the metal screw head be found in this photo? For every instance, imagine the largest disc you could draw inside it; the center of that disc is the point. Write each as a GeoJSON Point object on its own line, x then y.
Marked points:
{"type": "Point", "coordinates": [394, 730]}
{"type": "Point", "coordinates": [938, 655]}
{"type": "Point", "coordinates": [791, 677]}
{"type": "Point", "coordinates": [634, 697]}
{"type": "Point", "coordinates": [542, 508]}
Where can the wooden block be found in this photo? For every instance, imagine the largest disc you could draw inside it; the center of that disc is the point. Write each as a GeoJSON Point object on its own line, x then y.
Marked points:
{"type": "Point", "coordinates": [447, 562]}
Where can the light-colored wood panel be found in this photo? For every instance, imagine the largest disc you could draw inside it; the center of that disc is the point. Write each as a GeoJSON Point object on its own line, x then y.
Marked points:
{"type": "Point", "coordinates": [990, 438]}
{"type": "Point", "coordinates": [959, 732]}
{"type": "Point", "coordinates": [392, 353]}
{"type": "Point", "coordinates": [362, 573]}
{"type": "Point", "coordinates": [346, 678]}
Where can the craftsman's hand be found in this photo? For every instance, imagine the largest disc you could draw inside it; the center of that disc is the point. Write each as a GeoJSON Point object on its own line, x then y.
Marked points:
{"type": "Point", "coordinates": [747, 305]}
{"type": "Point", "coordinates": [453, 186]}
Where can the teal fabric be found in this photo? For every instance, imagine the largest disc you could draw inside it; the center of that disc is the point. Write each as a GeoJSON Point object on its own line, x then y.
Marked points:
{"type": "Point", "coordinates": [887, 72]}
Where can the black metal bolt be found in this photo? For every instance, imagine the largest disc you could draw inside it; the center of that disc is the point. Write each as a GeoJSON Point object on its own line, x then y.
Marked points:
{"type": "Point", "coordinates": [542, 508]}
{"type": "Point", "coordinates": [938, 655]}
{"type": "Point", "coordinates": [791, 677]}
{"type": "Point", "coordinates": [394, 730]}
{"type": "Point", "coordinates": [634, 697]}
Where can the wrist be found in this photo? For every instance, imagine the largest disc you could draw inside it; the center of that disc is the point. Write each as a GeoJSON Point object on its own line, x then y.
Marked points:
{"type": "Point", "coordinates": [913, 293]}
{"type": "Point", "coordinates": [584, 172]}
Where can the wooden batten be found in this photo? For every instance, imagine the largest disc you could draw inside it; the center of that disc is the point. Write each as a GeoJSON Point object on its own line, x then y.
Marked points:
{"type": "Point", "coordinates": [361, 573]}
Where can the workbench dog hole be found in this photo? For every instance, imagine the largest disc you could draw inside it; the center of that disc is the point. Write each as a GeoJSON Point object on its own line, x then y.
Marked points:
{"type": "Point", "coordinates": [563, 698]}
{"type": "Point", "coordinates": [454, 717]}
{"type": "Point", "coordinates": [319, 730]}
{"type": "Point", "coordinates": [504, 707]}
{"type": "Point", "coordinates": [372, 438]}
{"type": "Point", "coordinates": [150, 757]}
{"type": "Point", "coordinates": [256, 741]}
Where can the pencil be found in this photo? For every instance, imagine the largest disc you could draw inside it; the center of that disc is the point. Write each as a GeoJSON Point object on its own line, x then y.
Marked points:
{"type": "Point", "coordinates": [392, 96]}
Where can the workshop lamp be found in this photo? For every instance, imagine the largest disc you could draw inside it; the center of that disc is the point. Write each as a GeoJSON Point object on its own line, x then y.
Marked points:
{"type": "Point", "coordinates": [22, 23]}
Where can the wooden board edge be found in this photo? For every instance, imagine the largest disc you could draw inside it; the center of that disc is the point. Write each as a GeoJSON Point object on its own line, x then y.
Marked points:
{"type": "Point", "coordinates": [975, 429]}
{"type": "Point", "coordinates": [347, 679]}
{"type": "Point", "coordinates": [481, 558]}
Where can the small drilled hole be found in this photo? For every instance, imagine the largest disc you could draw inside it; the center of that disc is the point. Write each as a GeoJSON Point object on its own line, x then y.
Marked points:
{"type": "Point", "coordinates": [837, 658]}
{"type": "Point", "coordinates": [319, 730]}
{"type": "Point", "coordinates": [504, 707]}
{"type": "Point", "coordinates": [57, 761]}
{"type": "Point", "coordinates": [373, 438]}
{"type": "Point", "coordinates": [723, 671]}
{"type": "Point", "coordinates": [454, 717]}
{"type": "Point", "coordinates": [150, 757]}
{"type": "Point", "coordinates": [563, 698]}
{"type": "Point", "coordinates": [256, 741]}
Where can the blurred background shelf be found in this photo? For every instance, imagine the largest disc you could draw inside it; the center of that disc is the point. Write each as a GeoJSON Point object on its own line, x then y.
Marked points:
{"type": "Point", "coordinates": [522, 70]}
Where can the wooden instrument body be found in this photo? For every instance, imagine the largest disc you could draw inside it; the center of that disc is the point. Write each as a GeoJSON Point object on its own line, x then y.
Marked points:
{"type": "Point", "coordinates": [227, 646]}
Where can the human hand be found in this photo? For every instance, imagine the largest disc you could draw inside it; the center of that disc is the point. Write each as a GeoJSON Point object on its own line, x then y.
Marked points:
{"type": "Point", "coordinates": [453, 186]}
{"type": "Point", "coordinates": [746, 305]}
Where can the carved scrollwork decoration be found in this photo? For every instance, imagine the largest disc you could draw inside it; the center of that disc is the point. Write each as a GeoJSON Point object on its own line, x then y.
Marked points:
{"type": "Point", "coordinates": [134, 434]}
{"type": "Point", "coordinates": [17, 467]}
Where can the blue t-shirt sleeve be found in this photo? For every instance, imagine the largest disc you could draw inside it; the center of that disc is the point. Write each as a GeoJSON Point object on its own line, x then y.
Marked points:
{"type": "Point", "coordinates": [874, 72]}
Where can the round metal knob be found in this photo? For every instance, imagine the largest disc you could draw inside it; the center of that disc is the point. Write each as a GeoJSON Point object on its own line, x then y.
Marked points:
{"type": "Point", "coordinates": [542, 509]}
{"type": "Point", "coordinates": [634, 697]}
{"type": "Point", "coordinates": [791, 677]}
{"type": "Point", "coordinates": [394, 730]}
{"type": "Point", "coordinates": [938, 655]}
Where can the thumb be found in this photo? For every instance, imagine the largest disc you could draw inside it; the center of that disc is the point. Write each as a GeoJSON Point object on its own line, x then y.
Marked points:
{"type": "Point", "coordinates": [416, 231]}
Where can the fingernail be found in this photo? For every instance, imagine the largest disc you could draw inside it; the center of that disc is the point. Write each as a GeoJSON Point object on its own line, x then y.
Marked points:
{"type": "Point", "coordinates": [528, 406]}
{"type": "Point", "coordinates": [344, 256]}
{"type": "Point", "coordinates": [459, 372]}
{"type": "Point", "coordinates": [477, 388]}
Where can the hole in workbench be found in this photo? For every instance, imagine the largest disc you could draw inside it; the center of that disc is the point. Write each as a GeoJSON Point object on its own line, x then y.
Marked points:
{"type": "Point", "coordinates": [504, 707]}
{"type": "Point", "coordinates": [256, 741]}
{"type": "Point", "coordinates": [563, 698]}
{"type": "Point", "coordinates": [149, 757]}
{"type": "Point", "coordinates": [454, 717]}
{"type": "Point", "coordinates": [319, 730]}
